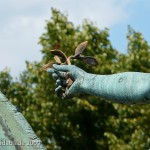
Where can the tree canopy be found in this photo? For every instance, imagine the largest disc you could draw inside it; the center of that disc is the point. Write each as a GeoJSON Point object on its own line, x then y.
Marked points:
{"type": "Point", "coordinates": [85, 122]}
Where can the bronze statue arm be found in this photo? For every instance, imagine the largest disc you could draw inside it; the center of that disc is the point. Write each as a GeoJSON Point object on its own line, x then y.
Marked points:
{"type": "Point", "coordinates": [125, 88]}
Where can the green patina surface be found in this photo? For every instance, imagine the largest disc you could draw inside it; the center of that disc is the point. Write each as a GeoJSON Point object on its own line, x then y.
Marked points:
{"type": "Point", "coordinates": [124, 88]}
{"type": "Point", "coordinates": [15, 132]}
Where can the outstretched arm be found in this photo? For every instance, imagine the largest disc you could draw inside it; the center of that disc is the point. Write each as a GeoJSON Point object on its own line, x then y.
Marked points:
{"type": "Point", "coordinates": [125, 88]}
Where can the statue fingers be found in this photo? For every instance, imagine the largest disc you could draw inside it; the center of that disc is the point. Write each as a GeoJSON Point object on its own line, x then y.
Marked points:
{"type": "Point", "coordinates": [61, 74]}
{"type": "Point", "coordinates": [55, 76]}
{"type": "Point", "coordinates": [73, 90]}
{"type": "Point", "coordinates": [61, 82]}
{"type": "Point", "coordinates": [64, 68]}
{"type": "Point", "coordinates": [50, 70]}
{"type": "Point", "coordinates": [59, 91]}
{"type": "Point", "coordinates": [58, 82]}
{"type": "Point", "coordinates": [58, 88]}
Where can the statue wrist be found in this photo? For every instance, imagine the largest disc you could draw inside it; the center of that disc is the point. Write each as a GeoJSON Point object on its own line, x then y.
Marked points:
{"type": "Point", "coordinates": [88, 83]}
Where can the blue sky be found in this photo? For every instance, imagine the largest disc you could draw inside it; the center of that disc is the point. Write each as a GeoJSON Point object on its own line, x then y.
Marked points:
{"type": "Point", "coordinates": [22, 23]}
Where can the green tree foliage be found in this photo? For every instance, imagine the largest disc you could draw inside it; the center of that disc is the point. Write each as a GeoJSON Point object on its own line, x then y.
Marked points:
{"type": "Point", "coordinates": [86, 122]}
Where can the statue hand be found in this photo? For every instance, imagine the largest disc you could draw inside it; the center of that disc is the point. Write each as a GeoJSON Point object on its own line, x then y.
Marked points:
{"type": "Point", "coordinates": [60, 74]}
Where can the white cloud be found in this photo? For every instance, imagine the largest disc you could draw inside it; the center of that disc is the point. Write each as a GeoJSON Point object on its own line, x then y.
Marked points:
{"type": "Point", "coordinates": [104, 13]}
{"type": "Point", "coordinates": [18, 42]}
{"type": "Point", "coordinates": [23, 23]}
